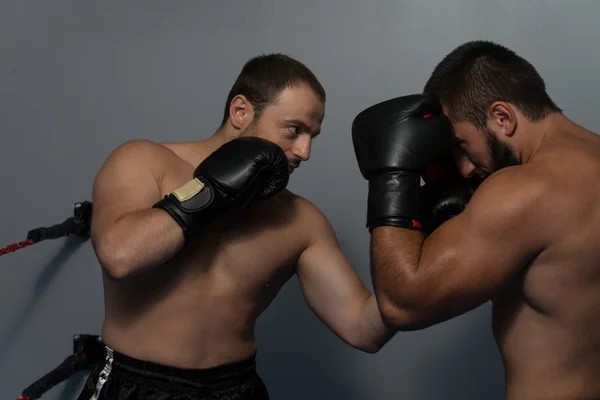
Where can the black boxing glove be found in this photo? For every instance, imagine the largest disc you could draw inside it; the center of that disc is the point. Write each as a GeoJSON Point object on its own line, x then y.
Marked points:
{"type": "Point", "coordinates": [228, 179]}
{"type": "Point", "coordinates": [441, 200]}
{"type": "Point", "coordinates": [394, 141]}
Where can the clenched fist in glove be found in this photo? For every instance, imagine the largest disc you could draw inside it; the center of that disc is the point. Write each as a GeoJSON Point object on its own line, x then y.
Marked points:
{"type": "Point", "coordinates": [394, 142]}
{"type": "Point", "coordinates": [241, 170]}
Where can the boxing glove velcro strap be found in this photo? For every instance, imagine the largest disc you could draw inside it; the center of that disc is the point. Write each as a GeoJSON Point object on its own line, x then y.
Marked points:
{"type": "Point", "coordinates": [192, 206]}
{"type": "Point", "coordinates": [394, 200]}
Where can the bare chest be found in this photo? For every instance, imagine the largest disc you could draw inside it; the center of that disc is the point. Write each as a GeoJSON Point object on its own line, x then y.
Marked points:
{"type": "Point", "coordinates": [243, 256]}
{"type": "Point", "coordinates": [256, 246]}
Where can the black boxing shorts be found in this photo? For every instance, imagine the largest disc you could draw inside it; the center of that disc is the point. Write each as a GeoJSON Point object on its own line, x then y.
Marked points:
{"type": "Point", "coordinates": [124, 378]}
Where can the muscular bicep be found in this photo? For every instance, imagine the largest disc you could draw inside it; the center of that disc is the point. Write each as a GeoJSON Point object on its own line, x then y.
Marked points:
{"type": "Point", "coordinates": [125, 183]}
{"type": "Point", "coordinates": [474, 255]}
{"type": "Point", "coordinates": [331, 286]}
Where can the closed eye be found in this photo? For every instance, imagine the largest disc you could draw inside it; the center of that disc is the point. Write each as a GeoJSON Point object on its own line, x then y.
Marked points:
{"type": "Point", "coordinates": [459, 145]}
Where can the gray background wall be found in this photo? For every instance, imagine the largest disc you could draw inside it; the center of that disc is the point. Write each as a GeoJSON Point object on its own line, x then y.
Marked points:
{"type": "Point", "coordinates": [78, 78]}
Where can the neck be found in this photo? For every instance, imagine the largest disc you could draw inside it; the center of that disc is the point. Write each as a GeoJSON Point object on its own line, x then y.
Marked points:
{"type": "Point", "coordinates": [202, 148]}
{"type": "Point", "coordinates": [221, 136]}
{"type": "Point", "coordinates": [225, 133]}
{"type": "Point", "coordinates": [537, 134]}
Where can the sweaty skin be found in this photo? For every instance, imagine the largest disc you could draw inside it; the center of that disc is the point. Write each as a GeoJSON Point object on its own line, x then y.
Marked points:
{"type": "Point", "coordinates": [195, 306]}
{"type": "Point", "coordinates": [529, 241]}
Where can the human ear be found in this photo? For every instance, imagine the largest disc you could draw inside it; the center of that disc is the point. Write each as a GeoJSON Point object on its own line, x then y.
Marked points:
{"type": "Point", "coordinates": [503, 118]}
{"type": "Point", "coordinates": [241, 112]}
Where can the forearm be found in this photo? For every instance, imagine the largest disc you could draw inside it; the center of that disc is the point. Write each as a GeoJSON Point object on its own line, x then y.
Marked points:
{"type": "Point", "coordinates": [138, 241]}
{"type": "Point", "coordinates": [395, 256]}
{"type": "Point", "coordinates": [371, 330]}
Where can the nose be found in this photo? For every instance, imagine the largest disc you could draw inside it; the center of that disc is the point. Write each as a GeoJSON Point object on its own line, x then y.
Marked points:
{"type": "Point", "coordinates": [302, 148]}
{"type": "Point", "coordinates": [465, 166]}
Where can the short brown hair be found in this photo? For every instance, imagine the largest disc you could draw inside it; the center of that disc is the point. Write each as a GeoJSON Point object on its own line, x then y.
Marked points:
{"type": "Point", "coordinates": [263, 77]}
{"type": "Point", "coordinates": [477, 73]}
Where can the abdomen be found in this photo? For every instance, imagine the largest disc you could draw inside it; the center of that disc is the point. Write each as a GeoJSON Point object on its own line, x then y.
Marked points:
{"type": "Point", "coordinates": [200, 309]}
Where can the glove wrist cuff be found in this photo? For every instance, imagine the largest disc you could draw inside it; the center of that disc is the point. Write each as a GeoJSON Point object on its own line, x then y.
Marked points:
{"type": "Point", "coordinates": [193, 206]}
{"type": "Point", "coordinates": [406, 223]}
{"type": "Point", "coordinates": [393, 200]}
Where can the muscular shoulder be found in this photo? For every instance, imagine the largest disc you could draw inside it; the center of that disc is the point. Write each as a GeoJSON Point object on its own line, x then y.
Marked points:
{"type": "Point", "coordinates": [137, 150]}
{"type": "Point", "coordinates": [515, 199]}
{"type": "Point", "coordinates": [306, 208]}
{"type": "Point", "coordinates": [516, 184]}
{"type": "Point", "coordinates": [309, 219]}
{"type": "Point", "coordinates": [137, 154]}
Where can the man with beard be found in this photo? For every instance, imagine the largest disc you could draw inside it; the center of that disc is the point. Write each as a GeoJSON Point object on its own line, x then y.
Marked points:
{"type": "Point", "coordinates": [528, 237]}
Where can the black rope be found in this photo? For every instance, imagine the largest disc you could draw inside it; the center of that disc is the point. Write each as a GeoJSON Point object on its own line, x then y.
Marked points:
{"type": "Point", "coordinates": [72, 364]}
{"type": "Point", "coordinates": [78, 224]}
{"type": "Point", "coordinates": [88, 352]}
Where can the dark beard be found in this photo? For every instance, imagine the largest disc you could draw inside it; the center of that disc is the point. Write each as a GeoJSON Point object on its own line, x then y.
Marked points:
{"type": "Point", "coordinates": [251, 129]}
{"type": "Point", "coordinates": [501, 154]}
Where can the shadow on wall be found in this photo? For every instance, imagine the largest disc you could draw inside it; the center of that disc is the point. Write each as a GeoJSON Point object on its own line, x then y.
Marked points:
{"type": "Point", "coordinates": [41, 285]}
{"type": "Point", "coordinates": [295, 367]}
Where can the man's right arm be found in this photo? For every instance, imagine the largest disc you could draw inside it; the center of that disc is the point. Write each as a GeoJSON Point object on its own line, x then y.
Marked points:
{"type": "Point", "coordinates": [133, 228]}
{"type": "Point", "coordinates": [129, 235]}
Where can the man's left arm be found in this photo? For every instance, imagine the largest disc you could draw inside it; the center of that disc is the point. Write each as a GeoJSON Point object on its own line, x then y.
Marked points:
{"type": "Point", "coordinates": [335, 292]}
{"type": "Point", "coordinates": [422, 281]}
